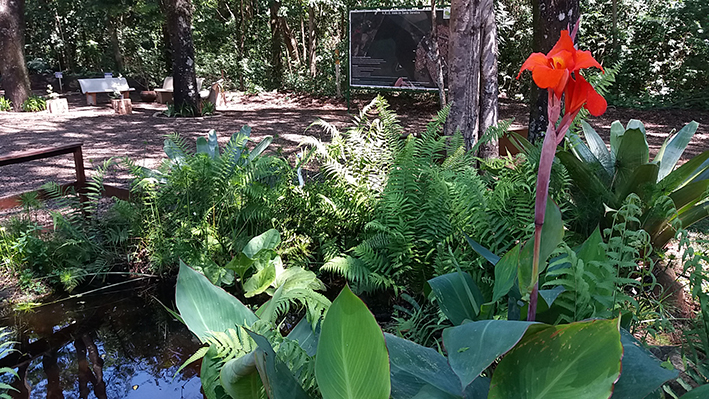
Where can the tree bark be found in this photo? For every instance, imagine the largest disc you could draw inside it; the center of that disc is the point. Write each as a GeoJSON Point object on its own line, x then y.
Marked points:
{"type": "Point", "coordinates": [312, 41]}
{"type": "Point", "coordinates": [488, 81]}
{"type": "Point", "coordinates": [116, 45]}
{"type": "Point", "coordinates": [179, 22]}
{"type": "Point", "coordinates": [464, 70]}
{"type": "Point", "coordinates": [549, 18]}
{"type": "Point", "coordinates": [15, 78]}
{"type": "Point", "coordinates": [276, 40]}
{"type": "Point", "coordinates": [437, 56]}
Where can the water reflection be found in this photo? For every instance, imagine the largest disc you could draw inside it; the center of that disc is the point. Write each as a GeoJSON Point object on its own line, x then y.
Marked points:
{"type": "Point", "coordinates": [117, 345]}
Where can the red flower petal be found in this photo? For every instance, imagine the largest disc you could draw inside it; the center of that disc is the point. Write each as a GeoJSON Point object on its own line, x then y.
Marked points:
{"type": "Point", "coordinates": [533, 61]}
{"type": "Point", "coordinates": [596, 104]}
{"type": "Point", "coordinates": [563, 44]}
{"type": "Point", "coordinates": [548, 78]}
{"type": "Point", "coordinates": [583, 59]}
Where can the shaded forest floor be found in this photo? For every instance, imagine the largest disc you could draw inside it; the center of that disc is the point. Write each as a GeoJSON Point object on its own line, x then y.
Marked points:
{"type": "Point", "coordinates": [140, 136]}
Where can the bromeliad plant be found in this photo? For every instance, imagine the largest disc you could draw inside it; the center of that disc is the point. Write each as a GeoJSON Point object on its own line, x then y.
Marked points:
{"type": "Point", "coordinates": [559, 73]}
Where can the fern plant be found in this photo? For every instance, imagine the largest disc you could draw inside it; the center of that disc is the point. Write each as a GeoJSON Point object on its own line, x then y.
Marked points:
{"type": "Point", "coordinates": [5, 349]}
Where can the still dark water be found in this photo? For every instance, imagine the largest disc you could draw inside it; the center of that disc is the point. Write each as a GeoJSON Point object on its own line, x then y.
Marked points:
{"type": "Point", "coordinates": [118, 344]}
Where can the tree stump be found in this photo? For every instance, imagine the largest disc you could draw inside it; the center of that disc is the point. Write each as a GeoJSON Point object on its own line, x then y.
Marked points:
{"type": "Point", "coordinates": [122, 106]}
{"type": "Point", "coordinates": [58, 106]}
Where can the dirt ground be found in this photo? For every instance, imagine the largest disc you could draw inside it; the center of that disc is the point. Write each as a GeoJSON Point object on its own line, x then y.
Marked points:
{"type": "Point", "coordinates": [140, 136]}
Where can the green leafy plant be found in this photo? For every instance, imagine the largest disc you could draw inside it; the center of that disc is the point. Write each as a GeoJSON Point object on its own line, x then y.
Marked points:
{"type": "Point", "coordinates": [34, 104]}
{"type": "Point", "coordinates": [5, 104]}
{"type": "Point", "coordinates": [5, 349]}
{"type": "Point", "coordinates": [672, 196]}
{"type": "Point", "coordinates": [539, 360]}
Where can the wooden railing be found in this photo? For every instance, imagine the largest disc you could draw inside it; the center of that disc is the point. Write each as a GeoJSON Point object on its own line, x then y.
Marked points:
{"type": "Point", "coordinates": [79, 185]}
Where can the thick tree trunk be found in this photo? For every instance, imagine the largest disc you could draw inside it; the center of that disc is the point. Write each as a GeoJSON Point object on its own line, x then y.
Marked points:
{"type": "Point", "coordinates": [312, 41]}
{"type": "Point", "coordinates": [179, 22]}
{"type": "Point", "coordinates": [549, 18]}
{"type": "Point", "coordinates": [464, 69]}
{"type": "Point", "coordinates": [488, 97]}
{"type": "Point", "coordinates": [15, 78]}
{"type": "Point", "coordinates": [291, 43]}
{"type": "Point", "coordinates": [276, 39]}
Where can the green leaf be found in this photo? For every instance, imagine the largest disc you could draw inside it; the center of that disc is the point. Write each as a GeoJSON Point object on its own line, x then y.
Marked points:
{"type": "Point", "coordinates": [430, 392]}
{"type": "Point", "coordinates": [451, 291]}
{"type": "Point", "coordinates": [484, 252]}
{"type": "Point", "coordinates": [205, 307]}
{"type": "Point", "coordinates": [414, 366]}
{"type": "Point", "coordinates": [552, 234]}
{"type": "Point", "coordinates": [506, 273]}
{"type": "Point", "coordinates": [240, 264]}
{"type": "Point", "coordinates": [240, 378]}
{"type": "Point", "coordinates": [632, 152]}
{"type": "Point", "coordinates": [259, 148]}
{"type": "Point", "coordinates": [260, 281]}
{"type": "Point", "coordinates": [641, 182]}
{"type": "Point", "coordinates": [266, 241]}
{"type": "Point", "coordinates": [672, 149]}
{"type": "Point", "coordinates": [701, 392]}
{"type": "Point", "coordinates": [305, 336]}
{"type": "Point", "coordinates": [209, 375]}
{"type": "Point", "coordinates": [642, 373]}
{"type": "Point", "coordinates": [599, 149]}
{"type": "Point", "coordinates": [485, 341]}
{"type": "Point", "coordinates": [587, 181]}
{"type": "Point", "coordinates": [202, 146]}
{"type": "Point", "coordinates": [690, 194]}
{"type": "Point", "coordinates": [686, 173]}
{"type": "Point", "coordinates": [352, 361]}
{"type": "Point", "coordinates": [617, 131]}
{"type": "Point", "coordinates": [579, 360]}
{"type": "Point", "coordinates": [213, 151]}
{"type": "Point", "coordinates": [276, 377]}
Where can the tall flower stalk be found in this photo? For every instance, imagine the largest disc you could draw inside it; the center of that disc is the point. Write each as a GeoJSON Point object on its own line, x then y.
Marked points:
{"type": "Point", "coordinates": [559, 72]}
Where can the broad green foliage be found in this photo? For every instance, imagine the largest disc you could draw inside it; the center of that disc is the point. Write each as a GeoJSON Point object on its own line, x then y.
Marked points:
{"type": "Point", "coordinates": [556, 361]}
{"type": "Point", "coordinates": [672, 197]}
{"type": "Point", "coordinates": [5, 104]}
{"type": "Point", "coordinates": [34, 104]}
{"type": "Point", "coordinates": [352, 358]}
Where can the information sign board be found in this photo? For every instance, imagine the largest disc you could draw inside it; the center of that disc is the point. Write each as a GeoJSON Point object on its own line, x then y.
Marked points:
{"type": "Point", "coordinates": [392, 48]}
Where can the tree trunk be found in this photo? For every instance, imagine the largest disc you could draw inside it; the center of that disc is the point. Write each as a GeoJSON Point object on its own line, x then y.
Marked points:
{"type": "Point", "coordinates": [311, 41]}
{"type": "Point", "coordinates": [464, 69]}
{"type": "Point", "coordinates": [115, 44]}
{"type": "Point", "coordinates": [15, 78]}
{"type": "Point", "coordinates": [549, 18]}
{"type": "Point", "coordinates": [179, 21]}
{"type": "Point", "coordinates": [437, 56]}
{"type": "Point", "coordinates": [291, 43]}
{"type": "Point", "coordinates": [276, 39]}
{"type": "Point", "coordinates": [488, 97]}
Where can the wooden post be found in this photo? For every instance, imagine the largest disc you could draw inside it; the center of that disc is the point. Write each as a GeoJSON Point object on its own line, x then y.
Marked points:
{"type": "Point", "coordinates": [122, 106]}
{"type": "Point", "coordinates": [90, 98]}
{"type": "Point", "coordinates": [80, 174]}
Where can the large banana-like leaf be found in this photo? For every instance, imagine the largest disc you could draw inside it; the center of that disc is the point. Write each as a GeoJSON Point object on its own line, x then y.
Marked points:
{"type": "Point", "coordinates": [260, 148]}
{"type": "Point", "coordinates": [505, 273]}
{"type": "Point", "coordinates": [633, 151]}
{"type": "Point", "coordinates": [263, 242]}
{"type": "Point", "coordinates": [579, 360]}
{"type": "Point", "coordinates": [206, 308]}
{"type": "Point", "coordinates": [599, 150]}
{"type": "Point", "coordinates": [672, 149]}
{"type": "Point", "coordinates": [240, 378]}
{"type": "Point", "coordinates": [690, 194]}
{"type": "Point", "coordinates": [352, 360]}
{"type": "Point", "coordinates": [472, 347]}
{"type": "Point", "coordinates": [587, 181]}
{"type": "Point", "coordinates": [260, 281]}
{"type": "Point", "coordinates": [414, 366]}
{"type": "Point", "coordinates": [277, 378]}
{"type": "Point", "coordinates": [306, 337]}
{"type": "Point", "coordinates": [641, 182]}
{"type": "Point", "coordinates": [458, 296]}
{"type": "Point", "coordinates": [642, 373]}
{"type": "Point", "coordinates": [701, 392]}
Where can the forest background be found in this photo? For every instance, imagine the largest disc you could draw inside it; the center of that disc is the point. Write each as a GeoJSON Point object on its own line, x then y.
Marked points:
{"type": "Point", "coordinates": [660, 46]}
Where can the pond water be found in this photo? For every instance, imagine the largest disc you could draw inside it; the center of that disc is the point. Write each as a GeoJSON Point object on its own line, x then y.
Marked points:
{"type": "Point", "coordinates": [118, 344]}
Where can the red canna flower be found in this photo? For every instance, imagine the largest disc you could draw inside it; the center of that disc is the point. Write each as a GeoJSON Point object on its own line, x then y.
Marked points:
{"type": "Point", "coordinates": [553, 70]}
{"type": "Point", "coordinates": [580, 93]}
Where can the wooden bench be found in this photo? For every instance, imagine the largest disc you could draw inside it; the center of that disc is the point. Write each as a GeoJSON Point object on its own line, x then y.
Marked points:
{"type": "Point", "coordinates": [90, 87]}
{"type": "Point", "coordinates": [79, 185]}
{"type": "Point", "coordinates": [164, 94]}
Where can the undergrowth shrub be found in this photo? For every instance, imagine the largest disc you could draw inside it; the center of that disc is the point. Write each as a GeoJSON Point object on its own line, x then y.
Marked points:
{"type": "Point", "coordinates": [34, 104]}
